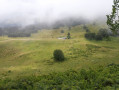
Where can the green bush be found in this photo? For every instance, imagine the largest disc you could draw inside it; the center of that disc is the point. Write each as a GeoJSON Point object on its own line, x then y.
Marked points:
{"type": "Point", "coordinates": [98, 37]}
{"type": "Point", "coordinates": [104, 33]}
{"type": "Point", "coordinates": [58, 55]}
{"type": "Point", "coordinates": [86, 28]}
{"type": "Point", "coordinates": [90, 36]}
{"type": "Point", "coordinates": [62, 31]}
{"type": "Point", "coordinates": [91, 79]}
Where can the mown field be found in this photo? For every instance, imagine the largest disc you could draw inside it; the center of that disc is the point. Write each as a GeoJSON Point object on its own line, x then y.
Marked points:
{"type": "Point", "coordinates": [34, 55]}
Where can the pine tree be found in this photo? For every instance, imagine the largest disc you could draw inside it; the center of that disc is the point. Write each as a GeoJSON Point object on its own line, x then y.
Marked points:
{"type": "Point", "coordinates": [68, 36]}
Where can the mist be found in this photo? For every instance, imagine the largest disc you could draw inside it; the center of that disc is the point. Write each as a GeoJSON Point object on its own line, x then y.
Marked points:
{"type": "Point", "coordinates": [25, 12]}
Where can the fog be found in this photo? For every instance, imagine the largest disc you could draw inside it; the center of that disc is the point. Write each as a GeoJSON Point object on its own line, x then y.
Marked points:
{"type": "Point", "coordinates": [27, 12]}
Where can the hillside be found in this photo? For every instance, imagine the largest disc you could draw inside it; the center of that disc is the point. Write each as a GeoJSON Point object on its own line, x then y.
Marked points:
{"type": "Point", "coordinates": [34, 55]}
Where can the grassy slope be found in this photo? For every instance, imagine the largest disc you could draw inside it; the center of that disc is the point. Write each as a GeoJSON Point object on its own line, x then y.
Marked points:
{"type": "Point", "coordinates": [25, 56]}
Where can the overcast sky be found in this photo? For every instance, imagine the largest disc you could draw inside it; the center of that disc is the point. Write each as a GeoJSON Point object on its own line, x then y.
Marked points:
{"type": "Point", "coordinates": [28, 11]}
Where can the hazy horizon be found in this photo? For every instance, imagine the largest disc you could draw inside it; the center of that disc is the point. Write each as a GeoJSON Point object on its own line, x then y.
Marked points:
{"type": "Point", "coordinates": [30, 11]}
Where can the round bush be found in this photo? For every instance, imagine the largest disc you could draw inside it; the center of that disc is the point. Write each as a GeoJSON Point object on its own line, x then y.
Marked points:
{"type": "Point", "coordinates": [58, 55]}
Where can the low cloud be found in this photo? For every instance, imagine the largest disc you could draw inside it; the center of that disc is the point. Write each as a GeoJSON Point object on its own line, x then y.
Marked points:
{"type": "Point", "coordinates": [27, 12]}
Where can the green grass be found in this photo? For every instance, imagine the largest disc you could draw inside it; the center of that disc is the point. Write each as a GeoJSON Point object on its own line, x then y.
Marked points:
{"type": "Point", "coordinates": [34, 55]}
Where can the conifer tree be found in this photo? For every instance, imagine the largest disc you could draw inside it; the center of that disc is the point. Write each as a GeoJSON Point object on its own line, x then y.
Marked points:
{"type": "Point", "coordinates": [68, 36]}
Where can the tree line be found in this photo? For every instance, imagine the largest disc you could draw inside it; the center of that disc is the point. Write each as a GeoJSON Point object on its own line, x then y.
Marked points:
{"type": "Point", "coordinates": [16, 31]}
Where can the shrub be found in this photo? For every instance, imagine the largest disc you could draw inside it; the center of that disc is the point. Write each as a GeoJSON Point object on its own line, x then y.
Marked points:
{"type": "Point", "coordinates": [104, 33]}
{"type": "Point", "coordinates": [98, 37]}
{"type": "Point", "coordinates": [90, 36]}
{"type": "Point", "coordinates": [58, 55]}
{"type": "Point", "coordinates": [86, 28]}
{"type": "Point", "coordinates": [62, 31]}
{"type": "Point", "coordinates": [90, 79]}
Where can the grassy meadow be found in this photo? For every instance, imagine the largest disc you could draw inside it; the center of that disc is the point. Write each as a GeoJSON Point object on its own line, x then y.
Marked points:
{"type": "Point", "coordinates": [34, 55]}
